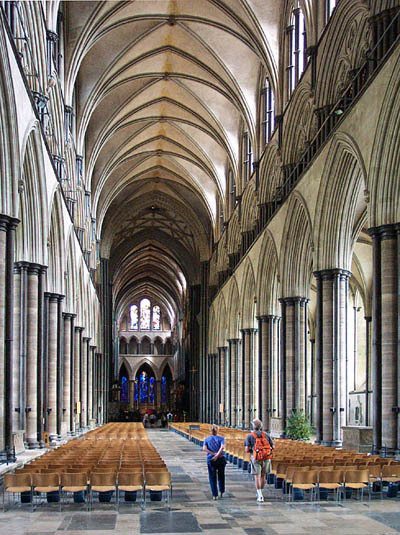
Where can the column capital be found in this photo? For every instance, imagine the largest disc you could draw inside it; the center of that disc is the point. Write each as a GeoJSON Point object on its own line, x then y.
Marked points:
{"type": "Point", "coordinates": [68, 315]}
{"type": "Point", "coordinates": [266, 317]}
{"type": "Point", "coordinates": [80, 329]}
{"type": "Point", "coordinates": [292, 300]}
{"type": "Point", "coordinates": [93, 347]}
{"type": "Point", "coordinates": [233, 340]}
{"type": "Point", "coordinates": [86, 338]}
{"type": "Point", "coordinates": [32, 268]}
{"type": "Point", "coordinates": [54, 297]}
{"type": "Point", "coordinates": [330, 274]}
{"type": "Point", "coordinates": [7, 222]}
{"type": "Point", "coordinates": [222, 348]}
{"type": "Point", "coordinates": [385, 232]}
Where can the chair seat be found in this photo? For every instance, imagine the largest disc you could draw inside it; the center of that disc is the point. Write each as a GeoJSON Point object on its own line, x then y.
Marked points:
{"type": "Point", "coordinates": [130, 488]}
{"type": "Point", "coordinates": [356, 485]}
{"type": "Point", "coordinates": [330, 485]}
{"type": "Point", "coordinates": [103, 489]}
{"type": "Point", "coordinates": [45, 489]}
{"type": "Point", "coordinates": [73, 489]}
{"type": "Point", "coordinates": [158, 487]}
{"type": "Point", "coordinates": [18, 489]}
{"type": "Point", "coordinates": [391, 479]}
{"type": "Point", "coordinates": [304, 486]}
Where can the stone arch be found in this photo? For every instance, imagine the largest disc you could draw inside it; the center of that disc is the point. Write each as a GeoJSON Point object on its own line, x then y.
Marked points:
{"type": "Point", "coordinates": [383, 177]}
{"type": "Point", "coordinates": [123, 345]}
{"type": "Point", "coordinates": [249, 207]}
{"type": "Point", "coordinates": [222, 325]}
{"type": "Point", "coordinates": [268, 277]}
{"type": "Point", "coordinates": [167, 366]}
{"type": "Point", "coordinates": [343, 50]}
{"type": "Point", "coordinates": [31, 235]}
{"type": "Point", "coordinates": [296, 250]}
{"type": "Point", "coordinates": [213, 331]}
{"type": "Point", "coordinates": [56, 245]}
{"type": "Point", "coordinates": [145, 345]}
{"type": "Point", "coordinates": [71, 274]}
{"type": "Point", "coordinates": [140, 363]}
{"type": "Point", "coordinates": [158, 345]}
{"type": "Point", "coordinates": [340, 202]}
{"type": "Point", "coordinates": [248, 297]}
{"type": "Point", "coordinates": [124, 362]}
{"type": "Point", "coordinates": [133, 345]}
{"type": "Point", "coordinates": [233, 311]}
{"type": "Point", "coordinates": [9, 148]}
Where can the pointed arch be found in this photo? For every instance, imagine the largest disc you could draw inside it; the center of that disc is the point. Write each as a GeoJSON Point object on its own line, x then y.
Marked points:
{"type": "Point", "coordinates": [296, 250]}
{"type": "Point", "coordinates": [340, 203]}
{"type": "Point", "coordinates": [57, 260]}
{"type": "Point", "coordinates": [248, 297]}
{"type": "Point", "coordinates": [268, 277]}
{"type": "Point", "coordinates": [233, 309]}
{"type": "Point", "coordinates": [32, 233]}
{"type": "Point", "coordinates": [383, 178]}
{"type": "Point", "coordinates": [9, 149]}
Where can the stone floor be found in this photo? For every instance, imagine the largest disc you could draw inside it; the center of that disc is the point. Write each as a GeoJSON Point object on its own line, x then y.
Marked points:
{"type": "Point", "coordinates": [193, 511]}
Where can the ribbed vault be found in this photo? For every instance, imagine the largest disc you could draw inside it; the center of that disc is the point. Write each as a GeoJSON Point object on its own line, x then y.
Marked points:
{"type": "Point", "coordinates": [164, 90]}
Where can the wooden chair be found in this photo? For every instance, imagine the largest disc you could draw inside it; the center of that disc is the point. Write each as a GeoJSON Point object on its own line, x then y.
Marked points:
{"type": "Point", "coordinates": [16, 484]}
{"type": "Point", "coordinates": [102, 482]}
{"type": "Point", "coordinates": [330, 480]}
{"type": "Point", "coordinates": [391, 473]}
{"type": "Point", "coordinates": [44, 483]}
{"type": "Point", "coordinates": [70, 482]}
{"type": "Point", "coordinates": [358, 480]}
{"type": "Point", "coordinates": [305, 481]}
{"type": "Point", "coordinates": [160, 481]}
{"type": "Point", "coordinates": [131, 482]}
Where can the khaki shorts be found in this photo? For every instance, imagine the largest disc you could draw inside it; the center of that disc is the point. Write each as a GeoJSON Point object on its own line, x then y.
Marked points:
{"type": "Point", "coordinates": [259, 468]}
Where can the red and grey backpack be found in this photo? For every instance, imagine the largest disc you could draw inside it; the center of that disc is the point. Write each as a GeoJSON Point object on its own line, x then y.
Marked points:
{"type": "Point", "coordinates": [262, 450]}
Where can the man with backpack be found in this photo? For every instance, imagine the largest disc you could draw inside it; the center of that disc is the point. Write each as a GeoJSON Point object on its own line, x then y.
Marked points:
{"type": "Point", "coordinates": [261, 446]}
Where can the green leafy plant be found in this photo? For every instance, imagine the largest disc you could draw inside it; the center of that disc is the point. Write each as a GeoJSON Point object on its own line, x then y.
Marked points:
{"type": "Point", "coordinates": [298, 426]}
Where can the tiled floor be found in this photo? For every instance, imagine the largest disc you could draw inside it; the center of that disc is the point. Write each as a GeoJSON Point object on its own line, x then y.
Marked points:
{"type": "Point", "coordinates": [193, 510]}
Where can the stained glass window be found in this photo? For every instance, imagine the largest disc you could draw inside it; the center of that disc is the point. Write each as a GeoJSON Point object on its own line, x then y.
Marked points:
{"type": "Point", "coordinates": [124, 390]}
{"type": "Point", "coordinates": [156, 318]}
{"type": "Point", "coordinates": [134, 317]}
{"type": "Point", "coordinates": [136, 391]}
{"type": "Point", "coordinates": [145, 314]}
{"type": "Point", "coordinates": [143, 386]}
{"type": "Point", "coordinates": [152, 390]}
{"type": "Point", "coordinates": [163, 389]}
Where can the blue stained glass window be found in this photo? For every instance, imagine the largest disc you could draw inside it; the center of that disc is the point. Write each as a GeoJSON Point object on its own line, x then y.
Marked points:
{"type": "Point", "coordinates": [124, 390]}
{"type": "Point", "coordinates": [151, 389]}
{"type": "Point", "coordinates": [163, 389]}
{"type": "Point", "coordinates": [136, 391]}
{"type": "Point", "coordinates": [143, 387]}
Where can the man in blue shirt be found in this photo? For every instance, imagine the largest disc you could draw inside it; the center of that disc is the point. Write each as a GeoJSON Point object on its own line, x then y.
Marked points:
{"type": "Point", "coordinates": [214, 446]}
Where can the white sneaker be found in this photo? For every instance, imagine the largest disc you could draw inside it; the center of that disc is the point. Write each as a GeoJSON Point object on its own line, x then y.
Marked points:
{"type": "Point", "coordinates": [260, 498]}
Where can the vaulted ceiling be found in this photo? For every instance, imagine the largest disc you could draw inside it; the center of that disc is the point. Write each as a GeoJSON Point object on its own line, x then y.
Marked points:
{"type": "Point", "coordinates": [163, 90]}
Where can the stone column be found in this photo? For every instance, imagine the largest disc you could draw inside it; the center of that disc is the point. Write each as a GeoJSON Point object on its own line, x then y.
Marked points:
{"type": "Point", "coordinates": [68, 322]}
{"type": "Point", "coordinates": [17, 347]}
{"type": "Point", "coordinates": [32, 356]}
{"type": "Point", "coordinates": [91, 384]}
{"type": "Point", "coordinates": [3, 248]}
{"type": "Point", "coordinates": [60, 364]}
{"type": "Point", "coordinates": [223, 383]}
{"type": "Point", "coordinates": [233, 346]}
{"type": "Point", "coordinates": [242, 409]}
{"type": "Point", "coordinates": [52, 365]}
{"type": "Point", "coordinates": [331, 347]}
{"type": "Point", "coordinates": [265, 375]}
{"type": "Point", "coordinates": [386, 336]}
{"type": "Point", "coordinates": [276, 368]}
{"type": "Point", "coordinates": [77, 377]}
{"type": "Point", "coordinates": [368, 321]}
{"type": "Point", "coordinates": [84, 382]}
{"type": "Point", "coordinates": [293, 353]}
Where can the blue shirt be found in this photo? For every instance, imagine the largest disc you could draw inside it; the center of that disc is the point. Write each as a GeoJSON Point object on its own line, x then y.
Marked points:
{"type": "Point", "coordinates": [213, 443]}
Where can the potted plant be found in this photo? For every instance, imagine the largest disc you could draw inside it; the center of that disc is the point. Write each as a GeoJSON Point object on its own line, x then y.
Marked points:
{"type": "Point", "coordinates": [298, 426]}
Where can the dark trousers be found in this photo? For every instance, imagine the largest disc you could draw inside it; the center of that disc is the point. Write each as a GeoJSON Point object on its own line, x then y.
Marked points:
{"type": "Point", "coordinates": [216, 468]}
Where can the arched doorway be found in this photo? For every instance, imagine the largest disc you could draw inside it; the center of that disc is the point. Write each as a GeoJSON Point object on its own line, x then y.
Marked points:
{"type": "Point", "coordinates": [145, 387]}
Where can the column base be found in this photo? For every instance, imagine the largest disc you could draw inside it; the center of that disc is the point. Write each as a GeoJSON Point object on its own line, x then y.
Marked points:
{"type": "Point", "coordinates": [42, 445]}
{"type": "Point", "coordinates": [32, 444]}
